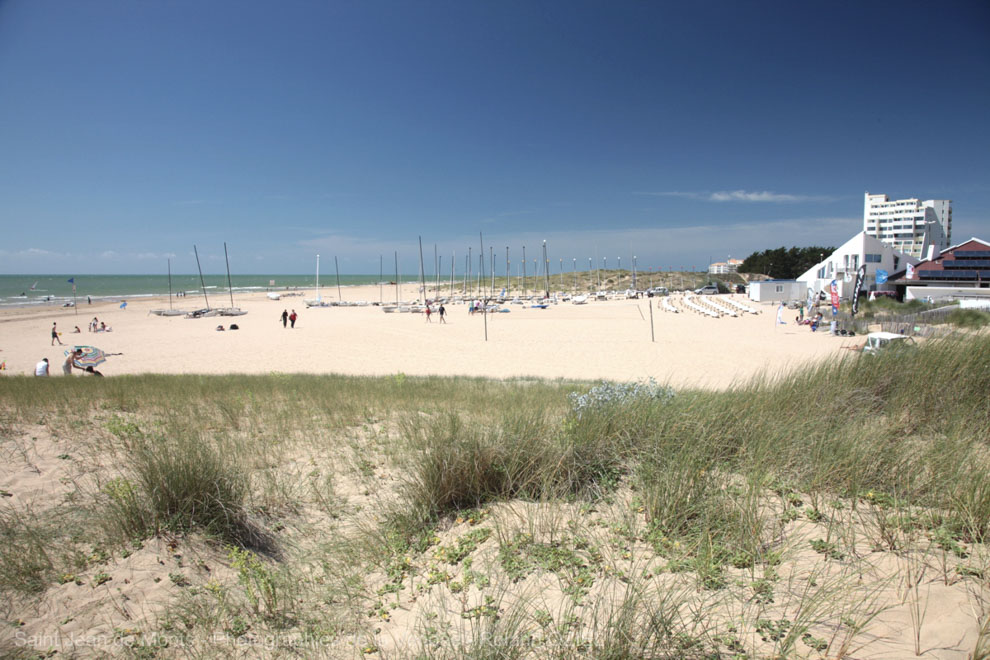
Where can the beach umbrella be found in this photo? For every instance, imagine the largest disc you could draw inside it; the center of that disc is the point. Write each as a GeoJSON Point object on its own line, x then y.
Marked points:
{"type": "Point", "coordinates": [91, 356]}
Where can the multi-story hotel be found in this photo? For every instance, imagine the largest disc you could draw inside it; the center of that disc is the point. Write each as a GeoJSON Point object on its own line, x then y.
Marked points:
{"type": "Point", "coordinates": [910, 226]}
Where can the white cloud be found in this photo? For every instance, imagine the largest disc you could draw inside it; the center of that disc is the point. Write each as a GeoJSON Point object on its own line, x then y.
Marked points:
{"type": "Point", "coordinates": [108, 254]}
{"type": "Point", "coordinates": [37, 252]}
{"type": "Point", "coordinates": [764, 196]}
{"type": "Point", "coordinates": [154, 256]}
{"type": "Point", "coordinates": [741, 196]}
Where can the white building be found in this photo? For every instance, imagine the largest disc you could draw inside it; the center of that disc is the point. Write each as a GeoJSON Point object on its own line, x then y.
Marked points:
{"type": "Point", "coordinates": [842, 265]}
{"type": "Point", "coordinates": [777, 290]}
{"type": "Point", "coordinates": [909, 225]}
{"type": "Point", "coordinates": [724, 267]}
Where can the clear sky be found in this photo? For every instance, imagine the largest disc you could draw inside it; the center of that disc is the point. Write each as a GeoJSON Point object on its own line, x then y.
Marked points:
{"type": "Point", "coordinates": [677, 132]}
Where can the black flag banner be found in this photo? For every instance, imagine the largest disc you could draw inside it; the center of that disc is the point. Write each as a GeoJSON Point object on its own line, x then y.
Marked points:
{"type": "Point", "coordinates": [860, 276]}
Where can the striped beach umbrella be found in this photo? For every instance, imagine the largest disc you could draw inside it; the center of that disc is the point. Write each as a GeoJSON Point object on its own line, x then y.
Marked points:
{"type": "Point", "coordinates": [91, 356]}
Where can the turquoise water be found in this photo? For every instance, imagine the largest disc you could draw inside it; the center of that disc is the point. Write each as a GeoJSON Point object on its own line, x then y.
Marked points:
{"type": "Point", "coordinates": [17, 290]}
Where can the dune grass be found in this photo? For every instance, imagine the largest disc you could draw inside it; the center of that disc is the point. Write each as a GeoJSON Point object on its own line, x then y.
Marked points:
{"type": "Point", "coordinates": [327, 497]}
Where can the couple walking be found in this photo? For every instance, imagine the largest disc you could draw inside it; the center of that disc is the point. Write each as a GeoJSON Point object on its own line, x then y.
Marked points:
{"type": "Point", "coordinates": [289, 318]}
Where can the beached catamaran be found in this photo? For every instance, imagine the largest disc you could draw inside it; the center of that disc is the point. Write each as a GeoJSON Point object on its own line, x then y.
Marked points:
{"type": "Point", "coordinates": [229, 311]}
{"type": "Point", "coordinates": [201, 313]}
{"type": "Point", "coordinates": [170, 311]}
{"type": "Point", "coordinates": [318, 300]}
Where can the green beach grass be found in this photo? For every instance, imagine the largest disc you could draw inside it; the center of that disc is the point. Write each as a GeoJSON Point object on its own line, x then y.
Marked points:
{"type": "Point", "coordinates": [450, 517]}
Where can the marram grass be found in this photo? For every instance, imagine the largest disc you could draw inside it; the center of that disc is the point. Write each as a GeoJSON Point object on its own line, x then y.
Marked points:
{"type": "Point", "coordinates": [902, 435]}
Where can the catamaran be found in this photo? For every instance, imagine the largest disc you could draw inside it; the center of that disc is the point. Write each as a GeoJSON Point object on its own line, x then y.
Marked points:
{"type": "Point", "coordinates": [201, 313]}
{"type": "Point", "coordinates": [229, 311]}
{"type": "Point", "coordinates": [317, 301]}
{"type": "Point", "coordinates": [169, 311]}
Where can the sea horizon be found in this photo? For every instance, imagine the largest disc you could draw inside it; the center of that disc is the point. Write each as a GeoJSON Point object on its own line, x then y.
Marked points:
{"type": "Point", "coordinates": [48, 289]}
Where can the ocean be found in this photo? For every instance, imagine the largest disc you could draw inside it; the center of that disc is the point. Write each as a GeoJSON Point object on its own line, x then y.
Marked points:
{"type": "Point", "coordinates": [21, 290]}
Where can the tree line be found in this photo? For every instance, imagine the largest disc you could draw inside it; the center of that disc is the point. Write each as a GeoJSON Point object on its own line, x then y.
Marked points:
{"type": "Point", "coordinates": [783, 263]}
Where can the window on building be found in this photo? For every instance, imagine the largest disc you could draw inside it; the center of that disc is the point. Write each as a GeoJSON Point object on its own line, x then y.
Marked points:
{"type": "Point", "coordinates": [873, 258]}
{"type": "Point", "coordinates": [779, 288]}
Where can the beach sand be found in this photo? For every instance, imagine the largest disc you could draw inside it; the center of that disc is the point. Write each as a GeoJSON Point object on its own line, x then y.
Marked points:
{"type": "Point", "coordinates": [599, 340]}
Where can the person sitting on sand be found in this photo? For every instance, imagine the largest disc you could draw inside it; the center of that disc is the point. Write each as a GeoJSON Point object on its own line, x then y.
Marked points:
{"type": "Point", "coordinates": [93, 372]}
{"type": "Point", "coordinates": [77, 331]}
{"type": "Point", "coordinates": [41, 369]}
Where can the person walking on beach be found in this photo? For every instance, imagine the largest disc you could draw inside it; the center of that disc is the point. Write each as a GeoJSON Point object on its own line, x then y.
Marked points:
{"type": "Point", "coordinates": [285, 318]}
{"type": "Point", "coordinates": [292, 319]}
{"type": "Point", "coordinates": [55, 335]}
{"type": "Point", "coordinates": [442, 312]}
{"type": "Point", "coordinates": [428, 313]}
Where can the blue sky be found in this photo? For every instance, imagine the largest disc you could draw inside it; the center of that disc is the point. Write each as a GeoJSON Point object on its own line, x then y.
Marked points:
{"type": "Point", "coordinates": [676, 132]}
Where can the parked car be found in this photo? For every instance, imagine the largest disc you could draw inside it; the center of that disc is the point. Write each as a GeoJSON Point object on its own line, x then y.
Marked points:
{"type": "Point", "coordinates": [707, 290]}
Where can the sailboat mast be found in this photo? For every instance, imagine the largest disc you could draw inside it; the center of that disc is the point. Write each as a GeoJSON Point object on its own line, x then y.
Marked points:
{"type": "Point", "coordinates": [525, 290]}
{"type": "Point", "coordinates": [546, 271]}
{"type": "Point", "coordinates": [422, 274]}
{"type": "Point", "coordinates": [170, 284]}
{"type": "Point", "coordinates": [340, 297]}
{"type": "Point", "coordinates": [230, 289]}
{"type": "Point", "coordinates": [202, 284]}
{"type": "Point", "coordinates": [381, 276]}
{"type": "Point", "coordinates": [481, 276]}
{"type": "Point", "coordinates": [396, 278]}
{"type": "Point", "coordinates": [317, 278]}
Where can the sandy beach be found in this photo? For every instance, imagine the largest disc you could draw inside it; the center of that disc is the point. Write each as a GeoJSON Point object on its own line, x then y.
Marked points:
{"type": "Point", "coordinates": [599, 340]}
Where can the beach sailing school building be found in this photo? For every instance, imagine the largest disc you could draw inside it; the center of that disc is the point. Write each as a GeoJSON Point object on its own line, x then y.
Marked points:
{"type": "Point", "coordinates": [777, 291]}
{"type": "Point", "coordinates": [880, 258]}
{"type": "Point", "coordinates": [961, 272]}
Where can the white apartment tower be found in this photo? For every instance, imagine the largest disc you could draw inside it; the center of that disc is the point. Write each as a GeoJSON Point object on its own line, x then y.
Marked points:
{"type": "Point", "coordinates": [911, 226]}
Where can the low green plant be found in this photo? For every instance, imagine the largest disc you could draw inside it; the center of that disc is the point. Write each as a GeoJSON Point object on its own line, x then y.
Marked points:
{"type": "Point", "coordinates": [260, 584]}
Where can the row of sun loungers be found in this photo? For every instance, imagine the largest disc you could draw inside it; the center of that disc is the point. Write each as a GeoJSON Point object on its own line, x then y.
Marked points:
{"type": "Point", "coordinates": [689, 301]}
{"type": "Point", "coordinates": [744, 307]}
{"type": "Point", "coordinates": [710, 306]}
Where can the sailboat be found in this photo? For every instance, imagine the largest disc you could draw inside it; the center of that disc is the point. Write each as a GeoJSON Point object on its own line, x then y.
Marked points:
{"type": "Point", "coordinates": [169, 311]}
{"type": "Point", "coordinates": [229, 311]}
{"type": "Point", "coordinates": [317, 301]}
{"type": "Point", "coordinates": [201, 313]}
